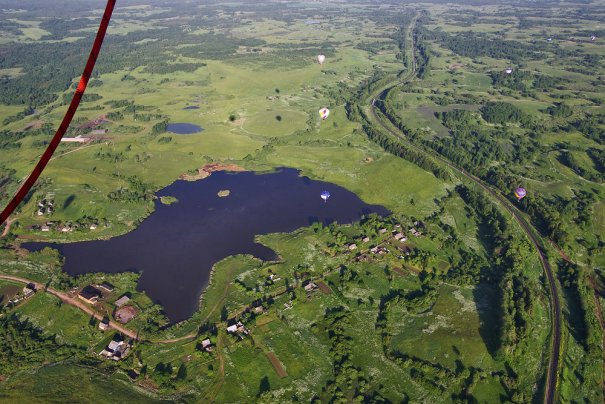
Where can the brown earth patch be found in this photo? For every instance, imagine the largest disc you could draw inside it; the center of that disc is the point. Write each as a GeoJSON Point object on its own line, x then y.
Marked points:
{"type": "Point", "coordinates": [398, 271]}
{"type": "Point", "coordinates": [208, 169]}
{"type": "Point", "coordinates": [37, 124]}
{"type": "Point", "coordinates": [101, 119]}
{"type": "Point", "coordinates": [279, 369]}
{"type": "Point", "coordinates": [457, 65]}
{"type": "Point", "coordinates": [325, 289]}
{"type": "Point", "coordinates": [125, 313]}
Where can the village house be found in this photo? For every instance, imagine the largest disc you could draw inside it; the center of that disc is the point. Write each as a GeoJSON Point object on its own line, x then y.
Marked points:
{"type": "Point", "coordinates": [365, 239]}
{"type": "Point", "coordinates": [362, 258]}
{"type": "Point", "coordinates": [90, 294]}
{"type": "Point", "coordinates": [104, 324]}
{"type": "Point", "coordinates": [93, 226]}
{"type": "Point", "coordinates": [382, 231]}
{"type": "Point", "coordinates": [45, 227]}
{"type": "Point", "coordinates": [29, 290]}
{"type": "Point", "coordinates": [207, 345]}
{"type": "Point", "coordinates": [237, 328]}
{"type": "Point", "coordinates": [274, 278]}
{"type": "Point", "coordinates": [398, 236]}
{"type": "Point", "coordinates": [310, 287]}
{"type": "Point", "coordinates": [116, 350]}
{"type": "Point", "coordinates": [259, 309]}
{"type": "Point", "coordinates": [352, 246]}
{"type": "Point", "coordinates": [122, 301]}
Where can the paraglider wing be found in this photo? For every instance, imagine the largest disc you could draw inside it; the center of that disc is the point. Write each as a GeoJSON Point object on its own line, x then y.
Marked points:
{"type": "Point", "coordinates": [324, 113]}
{"type": "Point", "coordinates": [321, 59]}
{"type": "Point", "coordinates": [520, 193]}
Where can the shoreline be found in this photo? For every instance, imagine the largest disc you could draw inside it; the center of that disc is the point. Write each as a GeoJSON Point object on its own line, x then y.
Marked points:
{"type": "Point", "coordinates": [207, 170]}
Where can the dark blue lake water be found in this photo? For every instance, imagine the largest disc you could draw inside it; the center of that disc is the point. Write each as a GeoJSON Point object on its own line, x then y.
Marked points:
{"type": "Point", "coordinates": [177, 245]}
{"type": "Point", "coordinates": [183, 128]}
{"type": "Point", "coordinates": [192, 107]}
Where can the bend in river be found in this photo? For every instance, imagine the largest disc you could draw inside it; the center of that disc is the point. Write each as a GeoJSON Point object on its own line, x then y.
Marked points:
{"type": "Point", "coordinates": [177, 245]}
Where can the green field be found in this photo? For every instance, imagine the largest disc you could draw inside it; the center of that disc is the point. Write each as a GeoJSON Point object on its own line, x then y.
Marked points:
{"type": "Point", "coordinates": [459, 312]}
{"type": "Point", "coordinates": [71, 383]}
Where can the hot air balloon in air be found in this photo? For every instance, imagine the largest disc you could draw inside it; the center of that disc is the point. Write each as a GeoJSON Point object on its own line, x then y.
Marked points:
{"type": "Point", "coordinates": [321, 59]}
{"type": "Point", "coordinates": [324, 112]}
{"type": "Point", "coordinates": [520, 193]}
{"type": "Point", "coordinates": [325, 195]}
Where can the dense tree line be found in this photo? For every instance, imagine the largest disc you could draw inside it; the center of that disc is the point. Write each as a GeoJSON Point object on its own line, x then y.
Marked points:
{"type": "Point", "coordinates": [507, 270]}
{"type": "Point", "coordinates": [583, 322]}
{"type": "Point", "coordinates": [475, 147]}
{"type": "Point", "coordinates": [26, 112]}
{"type": "Point", "coordinates": [560, 110]}
{"type": "Point", "coordinates": [591, 127]}
{"type": "Point", "coordinates": [598, 158]}
{"type": "Point", "coordinates": [475, 44]}
{"type": "Point", "coordinates": [136, 191]}
{"type": "Point", "coordinates": [502, 113]}
{"type": "Point", "coordinates": [423, 57]}
{"type": "Point", "coordinates": [519, 80]}
{"type": "Point", "coordinates": [348, 381]}
{"type": "Point", "coordinates": [22, 345]}
{"type": "Point", "coordinates": [567, 158]}
{"type": "Point", "coordinates": [10, 140]}
{"type": "Point", "coordinates": [7, 178]}
{"type": "Point", "coordinates": [399, 149]}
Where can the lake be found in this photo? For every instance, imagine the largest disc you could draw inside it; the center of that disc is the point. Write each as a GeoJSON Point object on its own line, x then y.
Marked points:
{"type": "Point", "coordinates": [183, 128]}
{"type": "Point", "coordinates": [192, 107]}
{"type": "Point", "coordinates": [177, 245]}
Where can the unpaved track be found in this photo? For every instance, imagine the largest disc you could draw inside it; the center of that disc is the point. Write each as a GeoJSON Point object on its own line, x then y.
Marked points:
{"type": "Point", "coordinates": [76, 302]}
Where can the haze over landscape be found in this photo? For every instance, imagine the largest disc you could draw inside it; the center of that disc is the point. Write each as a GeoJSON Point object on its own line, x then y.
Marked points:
{"type": "Point", "coordinates": [285, 201]}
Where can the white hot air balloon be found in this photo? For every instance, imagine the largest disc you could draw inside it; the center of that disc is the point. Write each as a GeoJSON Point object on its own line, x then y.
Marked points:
{"type": "Point", "coordinates": [324, 112]}
{"type": "Point", "coordinates": [321, 59]}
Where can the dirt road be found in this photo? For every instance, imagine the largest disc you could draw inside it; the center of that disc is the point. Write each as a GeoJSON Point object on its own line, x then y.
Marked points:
{"type": "Point", "coordinates": [65, 298]}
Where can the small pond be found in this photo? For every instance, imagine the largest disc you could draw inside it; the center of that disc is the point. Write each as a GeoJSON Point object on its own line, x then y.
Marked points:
{"type": "Point", "coordinates": [183, 128]}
